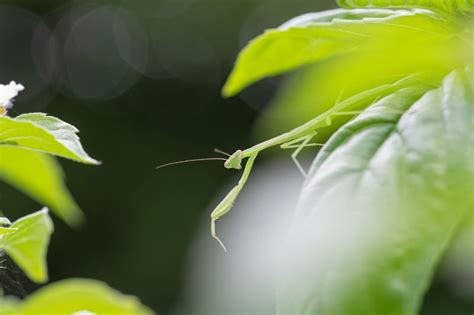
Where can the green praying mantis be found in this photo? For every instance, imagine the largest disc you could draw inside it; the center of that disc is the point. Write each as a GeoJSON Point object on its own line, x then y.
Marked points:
{"type": "Point", "coordinates": [297, 139]}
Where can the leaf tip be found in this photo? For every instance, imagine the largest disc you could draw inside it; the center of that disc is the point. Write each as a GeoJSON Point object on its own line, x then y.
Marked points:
{"type": "Point", "coordinates": [76, 219]}
{"type": "Point", "coordinates": [92, 161]}
{"type": "Point", "coordinates": [40, 277]}
{"type": "Point", "coordinates": [229, 89]}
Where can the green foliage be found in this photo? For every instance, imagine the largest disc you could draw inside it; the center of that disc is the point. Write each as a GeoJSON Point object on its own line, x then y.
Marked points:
{"type": "Point", "coordinates": [26, 145]}
{"type": "Point", "coordinates": [28, 243]}
{"type": "Point", "coordinates": [389, 190]}
{"type": "Point", "coordinates": [317, 36]}
{"type": "Point", "coordinates": [315, 88]}
{"type": "Point", "coordinates": [39, 132]}
{"type": "Point", "coordinates": [75, 296]}
{"type": "Point", "coordinates": [454, 7]}
{"type": "Point", "coordinates": [24, 140]}
{"type": "Point", "coordinates": [46, 186]}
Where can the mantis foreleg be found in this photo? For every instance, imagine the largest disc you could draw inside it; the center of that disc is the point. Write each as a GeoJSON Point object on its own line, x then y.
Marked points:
{"type": "Point", "coordinates": [226, 204]}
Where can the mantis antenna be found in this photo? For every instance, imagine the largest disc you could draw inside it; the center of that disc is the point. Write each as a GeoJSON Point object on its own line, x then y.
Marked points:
{"type": "Point", "coordinates": [221, 152]}
{"type": "Point", "coordinates": [190, 161]}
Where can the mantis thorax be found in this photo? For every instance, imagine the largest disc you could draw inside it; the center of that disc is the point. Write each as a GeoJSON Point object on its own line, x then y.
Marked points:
{"type": "Point", "coordinates": [234, 161]}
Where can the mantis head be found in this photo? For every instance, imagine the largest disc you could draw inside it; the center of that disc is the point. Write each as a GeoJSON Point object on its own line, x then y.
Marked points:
{"type": "Point", "coordinates": [234, 161]}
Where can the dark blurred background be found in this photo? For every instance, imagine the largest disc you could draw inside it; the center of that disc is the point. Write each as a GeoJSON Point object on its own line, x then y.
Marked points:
{"type": "Point", "coordinates": [141, 80]}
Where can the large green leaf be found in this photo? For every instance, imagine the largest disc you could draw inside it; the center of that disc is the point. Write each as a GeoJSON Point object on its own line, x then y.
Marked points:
{"type": "Point", "coordinates": [76, 296]}
{"type": "Point", "coordinates": [312, 90]}
{"type": "Point", "coordinates": [454, 7]}
{"type": "Point", "coordinates": [27, 246]}
{"type": "Point", "coordinates": [382, 202]}
{"type": "Point", "coordinates": [313, 37]}
{"type": "Point", "coordinates": [39, 132]}
{"type": "Point", "coordinates": [39, 176]}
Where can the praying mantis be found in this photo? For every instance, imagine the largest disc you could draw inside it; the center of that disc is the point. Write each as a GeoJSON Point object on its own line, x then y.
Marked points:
{"type": "Point", "coordinates": [299, 138]}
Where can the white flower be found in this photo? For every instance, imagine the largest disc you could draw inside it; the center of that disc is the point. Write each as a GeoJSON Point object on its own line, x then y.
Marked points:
{"type": "Point", "coordinates": [8, 92]}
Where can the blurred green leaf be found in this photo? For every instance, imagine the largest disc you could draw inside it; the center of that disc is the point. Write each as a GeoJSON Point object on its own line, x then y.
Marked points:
{"type": "Point", "coordinates": [314, 89]}
{"type": "Point", "coordinates": [39, 176]}
{"type": "Point", "coordinates": [457, 269]}
{"type": "Point", "coordinates": [454, 7]}
{"type": "Point", "coordinates": [383, 200]}
{"type": "Point", "coordinates": [317, 36]}
{"type": "Point", "coordinates": [7, 305]}
{"type": "Point", "coordinates": [76, 296]}
{"type": "Point", "coordinates": [6, 230]}
{"type": "Point", "coordinates": [28, 245]}
{"type": "Point", "coordinates": [39, 132]}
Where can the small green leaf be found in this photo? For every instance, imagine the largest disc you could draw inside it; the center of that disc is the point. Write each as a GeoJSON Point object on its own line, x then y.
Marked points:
{"type": "Point", "coordinates": [383, 200]}
{"type": "Point", "coordinates": [314, 37]}
{"type": "Point", "coordinates": [28, 245]}
{"type": "Point", "coordinates": [43, 133]}
{"type": "Point", "coordinates": [17, 167]}
{"type": "Point", "coordinates": [77, 296]}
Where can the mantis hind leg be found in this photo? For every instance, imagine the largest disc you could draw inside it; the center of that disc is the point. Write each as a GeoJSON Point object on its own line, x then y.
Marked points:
{"type": "Point", "coordinates": [299, 144]}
